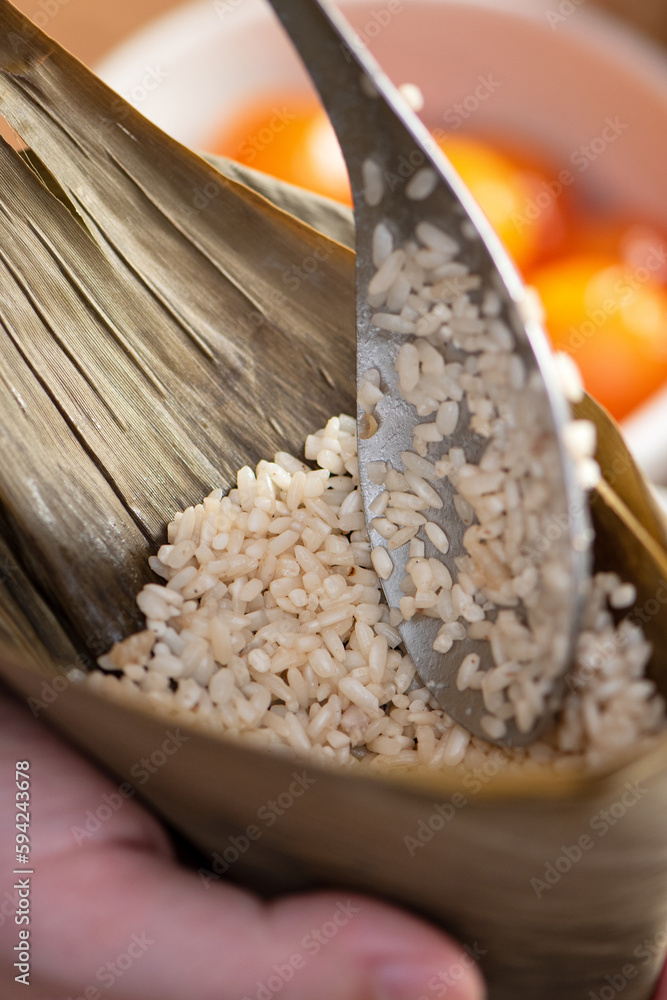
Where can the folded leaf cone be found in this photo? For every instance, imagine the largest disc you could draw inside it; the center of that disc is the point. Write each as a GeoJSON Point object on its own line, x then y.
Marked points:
{"type": "Point", "coordinates": [162, 325]}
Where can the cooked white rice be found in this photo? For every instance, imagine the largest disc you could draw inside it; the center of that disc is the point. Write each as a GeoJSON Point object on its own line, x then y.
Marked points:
{"type": "Point", "coordinates": [483, 448]}
{"type": "Point", "coordinates": [270, 629]}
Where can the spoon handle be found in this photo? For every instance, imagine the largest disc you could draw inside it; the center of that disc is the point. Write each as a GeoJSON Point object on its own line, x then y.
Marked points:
{"type": "Point", "coordinates": [364, 106]}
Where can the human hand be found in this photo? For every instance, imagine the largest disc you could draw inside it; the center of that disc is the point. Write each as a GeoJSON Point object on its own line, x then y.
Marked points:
{"type": "Point", "coordinates": [661, 988]}
{"type": "Point", "coordinates": [115, 916]}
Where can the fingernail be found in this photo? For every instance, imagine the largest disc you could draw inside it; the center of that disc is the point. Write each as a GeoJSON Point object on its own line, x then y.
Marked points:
{"type": "Point", "coordinates": [417, 981]}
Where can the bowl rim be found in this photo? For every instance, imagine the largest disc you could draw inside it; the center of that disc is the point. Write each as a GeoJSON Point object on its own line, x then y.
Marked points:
{"type": "Point", "coordinates": [180, 30]}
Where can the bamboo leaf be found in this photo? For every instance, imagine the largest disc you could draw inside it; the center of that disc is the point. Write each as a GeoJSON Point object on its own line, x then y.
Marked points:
{"type": "Point", "coordinates": [630, 532]}
{"type": "Point", "coordinates": [326, 216]}
{"type": "Point", "coordinates": [160, 326]}
{"type": "Point", "coordinates": [624, 546]}
{"type": "Point", "coordinates": [621, 472]}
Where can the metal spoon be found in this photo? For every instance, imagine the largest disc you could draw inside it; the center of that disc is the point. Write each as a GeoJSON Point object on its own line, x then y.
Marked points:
{"type": "Point", "coordinates": [400, 180]}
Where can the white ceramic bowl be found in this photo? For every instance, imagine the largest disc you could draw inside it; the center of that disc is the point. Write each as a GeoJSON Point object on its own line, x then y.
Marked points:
{"type": "Point", "coordinates": [555, 81]}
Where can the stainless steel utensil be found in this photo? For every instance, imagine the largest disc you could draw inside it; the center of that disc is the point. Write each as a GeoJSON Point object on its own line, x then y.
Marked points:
{"type": "Point", "coordinates": [400, 179]}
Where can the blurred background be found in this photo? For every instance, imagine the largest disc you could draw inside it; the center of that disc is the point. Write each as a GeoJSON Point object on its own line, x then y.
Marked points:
{"type": "Point", "coordinates": [90, 28]}
{"type": "Point", "coordinates": [554, 114]}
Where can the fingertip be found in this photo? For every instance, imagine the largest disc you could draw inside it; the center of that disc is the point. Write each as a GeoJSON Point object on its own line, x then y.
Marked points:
{"type": "Point", "coordinates": [430, 976]}
{"type": "Point", "coordinates": [362, 947]}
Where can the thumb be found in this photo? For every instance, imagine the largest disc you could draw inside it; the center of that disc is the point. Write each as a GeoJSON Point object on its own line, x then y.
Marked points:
{"type": "Point", "coordinates": [142, 929]}
{"type": "Point", "coordinates": [661, 988]}
{"type": "Point", "coordinates": [115, 917]}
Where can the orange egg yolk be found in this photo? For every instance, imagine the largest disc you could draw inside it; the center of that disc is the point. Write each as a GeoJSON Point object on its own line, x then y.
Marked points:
{"type": "Point", "coordinates": [603, 284]}
{"type": "Point", "coordinates": [515, 197]}
{"type": "Point", "coordinates": [612, 319]}
{"type": "Point", "coordinates": [292, 140]}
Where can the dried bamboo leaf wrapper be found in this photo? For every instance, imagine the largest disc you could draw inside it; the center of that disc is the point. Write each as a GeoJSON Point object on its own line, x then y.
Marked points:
{"type": "Point", "coordinates": [161, 413]}
{"type": "Point", "coordinates": [630, 533]}
{"type": "Point", "coordinates": [622, 544]}
{"type": "Point", "coordinates": [621, 472]}
{"type": "Point", "coordinates": [140, 196]}
{"type": "Point", "coordinates": [142, 372]}
{"type": "Point", "coordinates": [65, 524]}
{"type": "Point", "coordinates": [88, 330]}
{"type": "Point", "coordinates": [28, 625]}
{"type": "Point", "coordinates": [473, 875]}
{"type": "Point", "coordinates": [326, 216]}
